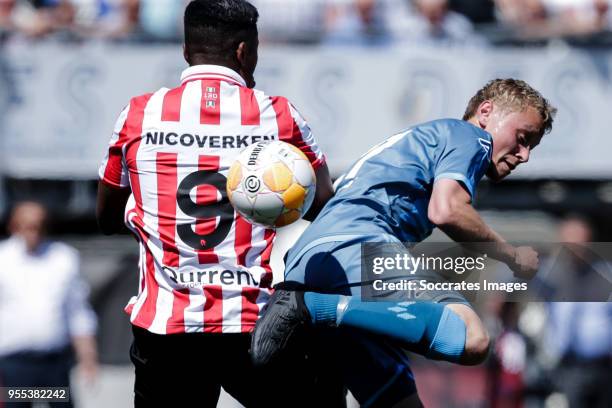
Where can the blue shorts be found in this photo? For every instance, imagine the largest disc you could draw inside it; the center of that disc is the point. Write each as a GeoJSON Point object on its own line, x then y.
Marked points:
{"type": "Point", "coordinates": [375, 370]}
{"type": "Point", "coordinates": [328, 265]}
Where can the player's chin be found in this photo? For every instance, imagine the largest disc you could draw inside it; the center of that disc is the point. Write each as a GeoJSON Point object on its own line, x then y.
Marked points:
{"type": "Point", "coordinates": [496, 174]}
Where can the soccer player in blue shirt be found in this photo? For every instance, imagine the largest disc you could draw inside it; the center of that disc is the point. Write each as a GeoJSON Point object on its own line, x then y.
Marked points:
{"type": "Point", "coordinates": [398, 192]}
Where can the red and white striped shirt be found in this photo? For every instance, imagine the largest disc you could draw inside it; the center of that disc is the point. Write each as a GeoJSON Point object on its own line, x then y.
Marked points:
{"type": "Point", "coordinates": [203, 268]}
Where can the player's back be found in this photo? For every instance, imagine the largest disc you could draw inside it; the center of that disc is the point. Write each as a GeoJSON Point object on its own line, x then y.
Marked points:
{"type": "Point", "coordinates": [387, 191]}
{"type": "Point", "coordinates": [203, 267]}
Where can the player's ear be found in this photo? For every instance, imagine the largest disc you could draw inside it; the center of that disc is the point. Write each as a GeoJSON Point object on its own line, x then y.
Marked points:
{"type": "Point", "coordinates": [241, 53]}
{"type": "Point", "coordinates": [186, 54]}
{"type": "Point", "coordinates": [484, 112]}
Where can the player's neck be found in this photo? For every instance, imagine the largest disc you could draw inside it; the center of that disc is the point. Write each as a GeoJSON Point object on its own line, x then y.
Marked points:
{"type": "Point", "coordinates": [474, 121]}
{"type": "Point", "coordinates": [201, 60]}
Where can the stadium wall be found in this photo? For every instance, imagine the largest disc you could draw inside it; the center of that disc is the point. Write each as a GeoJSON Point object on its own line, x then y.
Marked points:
{"type": "Point", "coordinates": [63, 99]}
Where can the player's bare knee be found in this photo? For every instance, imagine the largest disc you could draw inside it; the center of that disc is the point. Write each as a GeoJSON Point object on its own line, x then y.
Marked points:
{"type": "Point", "coordinates": [476, 337]}
{"type": "Point", "coordinates": [476, 344]}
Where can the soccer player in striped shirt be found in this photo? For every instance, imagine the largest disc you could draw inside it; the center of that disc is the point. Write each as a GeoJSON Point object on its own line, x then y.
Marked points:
{"type": "Point", "coordinates": [204, 270]}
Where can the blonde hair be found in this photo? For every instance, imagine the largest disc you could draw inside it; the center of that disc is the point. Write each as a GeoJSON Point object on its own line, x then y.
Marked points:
{"type": "Point", "coordinates": [515, 95]}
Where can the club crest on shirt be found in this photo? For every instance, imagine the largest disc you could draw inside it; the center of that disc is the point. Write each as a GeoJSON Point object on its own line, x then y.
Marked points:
{"type": "Point", "coordinates": [210, 96]}
{"type": "Point", "coordinates": [486, 144]}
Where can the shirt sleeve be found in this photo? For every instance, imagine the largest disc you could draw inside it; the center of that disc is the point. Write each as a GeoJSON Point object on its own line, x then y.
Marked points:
{"type": "Point", "coordinates": [113, 170]}
{"type": "Point", "coordinates": [293, 129]}
{"type": "Point", "coordinates": [82, 320]}
{"type": "Point", "coordinates": [465, 159]}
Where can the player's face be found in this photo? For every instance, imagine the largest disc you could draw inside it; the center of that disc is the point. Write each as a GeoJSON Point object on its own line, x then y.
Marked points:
{"type": "Point", "coordinates": [515, 135]}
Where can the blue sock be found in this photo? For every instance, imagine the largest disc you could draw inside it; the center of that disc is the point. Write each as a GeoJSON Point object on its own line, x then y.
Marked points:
{"type": "Point", "coordinates": [322, 308]}
{"type": "Point", "coordinates": [449, 340]}
{"type": "Point", "coordinates": [423, 327]}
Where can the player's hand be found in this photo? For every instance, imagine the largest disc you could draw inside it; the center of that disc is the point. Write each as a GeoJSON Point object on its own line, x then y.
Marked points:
{"type": "Point", "coordinates": [526, 262]}
{"type": "Point", "coordinates": [88, 370]}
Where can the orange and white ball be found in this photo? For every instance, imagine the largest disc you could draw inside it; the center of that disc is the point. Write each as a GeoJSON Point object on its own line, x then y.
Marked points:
{"type": "Point", "coordinates": [271, 184]}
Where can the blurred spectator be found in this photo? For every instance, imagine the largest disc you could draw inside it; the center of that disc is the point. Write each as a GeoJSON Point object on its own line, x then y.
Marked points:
{"type": "Point", "coordinates": [542, 19]}
{"type": "Point", "coordinates": [295, 21]}
{"type": "Point", "coordinates": [506, 385]}
{"type": "Point", "coordinates": [20, 16]}
{"type": "Point", "coordinates": [162, 20]}
{"type": "Point", "coordinates": [105, 18]}
{"type": "Point", "coordinates": [85, 18]}
{"type": "Point", "coordinates": [580, 338]}
{"type": "Point", "coordinates": [478, 11]}
{"type": "Point", "coordinates": [359, 22]}
{"type": "Point", "coordinates": [43, 307]}
{"type": "Point", "coordinates": [6, 94]}
{"type": "Point", "coordinates": [6, 17]}
{"type": "Point", "coordinates": [575, 272]}
{"type": "Point", "coordinates": [520, 13]}
{"type": "Point", "coordinates": [580, 17]}
{"type": "Point", "coordinates": [59, 14]}
{"type": "Point", "coordinates": [430, 22]}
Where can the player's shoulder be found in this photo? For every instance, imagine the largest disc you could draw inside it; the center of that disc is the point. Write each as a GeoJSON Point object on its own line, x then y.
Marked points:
{"type": "Point", "coordinates": [456, 128]}
{"type": "Point", "coordinates": [278, 102]}
{"type": "Point", "coordinates": [145, 97]}
{"type": "Point", "coordinates": [449, 124]}
{"type": "Point", "coordinates": [279, 99]}
{"type": "Point", "coordinates": [139, 102]}
{"type": "Point", "coordinates": [260, 96]}
{"type": "Point", "coordinates": [282, 103]}
{"type": "Point", "coordinates": [259, 93]}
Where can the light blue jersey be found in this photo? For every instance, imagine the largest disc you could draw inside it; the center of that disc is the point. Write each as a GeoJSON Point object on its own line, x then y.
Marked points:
{"type": "Point", "coordinates": [384, 198]}
{"type": "Point", "coordinates": [387, 191]}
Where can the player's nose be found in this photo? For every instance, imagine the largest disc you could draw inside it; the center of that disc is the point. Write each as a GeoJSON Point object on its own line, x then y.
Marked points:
{"type": "Point", "coordinates": [523, 154]}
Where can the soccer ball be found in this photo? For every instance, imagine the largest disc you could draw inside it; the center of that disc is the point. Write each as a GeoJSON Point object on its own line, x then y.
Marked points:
{"type": "Point", "coordinates": [271, 184]}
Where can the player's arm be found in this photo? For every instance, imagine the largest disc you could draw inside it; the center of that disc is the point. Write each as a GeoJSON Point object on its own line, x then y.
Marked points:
{"type": "Point", "coordinates": [451, 210]}
{"type": "Point", "coordinates": [324, 192]}
{"type": "Point", "coordinates": [114, 185]}
{"type": "Point", "coordinates": [110, 206]}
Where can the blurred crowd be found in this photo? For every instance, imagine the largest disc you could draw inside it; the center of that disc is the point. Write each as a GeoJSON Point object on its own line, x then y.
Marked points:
{"type": "Point", "coordinates": [544, 354]}
{"type": "Point", "coordinates": [346, 22]}
{"type": "Point", "coordinates": [557, 351]}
